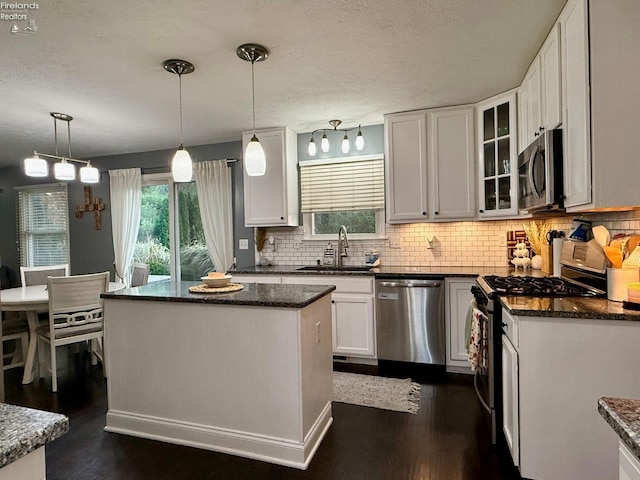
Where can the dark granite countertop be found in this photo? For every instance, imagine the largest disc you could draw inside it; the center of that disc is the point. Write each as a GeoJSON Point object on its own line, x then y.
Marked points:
{"type": "Point", "coordinates": [624, 417]}
{"type": "Point", "coordinates": [24, 430]}
{"type": "Point", "coordinates": [564, 307]}
{"type": "Point", "coordinates": [253, 294]}
{"type": "Point", "coordinates": [385, 271]}
{"type": "Point", "coordinates": [568, 307]}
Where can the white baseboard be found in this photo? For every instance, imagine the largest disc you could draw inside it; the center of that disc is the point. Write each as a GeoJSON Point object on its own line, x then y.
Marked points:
{"type": "Point", "coordinates": [259, 447]}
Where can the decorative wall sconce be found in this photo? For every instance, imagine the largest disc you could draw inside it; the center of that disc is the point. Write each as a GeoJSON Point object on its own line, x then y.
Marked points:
{"type": "Point", "coordinates": [63, 170]}
{"type": "Point", "coordinates": [324, 142]}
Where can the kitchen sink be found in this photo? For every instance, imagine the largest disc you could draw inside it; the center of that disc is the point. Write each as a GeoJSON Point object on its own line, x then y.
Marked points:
{"type": "Point", "coordinates": [335, 268]}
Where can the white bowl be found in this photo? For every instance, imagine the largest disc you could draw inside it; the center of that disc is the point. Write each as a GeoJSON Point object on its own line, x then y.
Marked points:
{"type": "Point", "coordinates": [216, 282]}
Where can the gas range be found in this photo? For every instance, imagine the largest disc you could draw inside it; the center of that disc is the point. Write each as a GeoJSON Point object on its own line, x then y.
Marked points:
{"type": "Point", "coordinates": [534, 286]}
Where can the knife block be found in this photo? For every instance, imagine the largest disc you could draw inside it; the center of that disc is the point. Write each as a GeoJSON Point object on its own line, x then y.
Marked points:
{"type": "Point", "coordinates": [547, 258]}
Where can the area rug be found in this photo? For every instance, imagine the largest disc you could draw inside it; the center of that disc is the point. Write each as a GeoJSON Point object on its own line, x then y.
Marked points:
{"type": "Point", "coordinates": [377, 392]}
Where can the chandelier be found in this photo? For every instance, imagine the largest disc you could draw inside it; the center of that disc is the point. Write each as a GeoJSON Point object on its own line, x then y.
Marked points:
{"type": "Point", "coordinates": [324, 142]}
{"type": "Point", "coordinates": [65, 169]}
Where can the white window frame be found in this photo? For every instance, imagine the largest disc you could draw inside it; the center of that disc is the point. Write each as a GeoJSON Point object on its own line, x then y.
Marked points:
{"type": "Point", "coordinates": [150, 179]}
{"type": "Point", "coordinates": [307, 218]}
{"type": "Point", "coordinates": [24, 235]}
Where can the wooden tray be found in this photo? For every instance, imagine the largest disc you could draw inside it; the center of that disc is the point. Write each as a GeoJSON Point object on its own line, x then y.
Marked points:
{"type": "Point", "coordinates": [232, 287]}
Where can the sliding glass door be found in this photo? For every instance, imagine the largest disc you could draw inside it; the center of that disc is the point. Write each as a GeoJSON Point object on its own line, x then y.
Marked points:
{"type": "Point", "coordinates": [171, 239]}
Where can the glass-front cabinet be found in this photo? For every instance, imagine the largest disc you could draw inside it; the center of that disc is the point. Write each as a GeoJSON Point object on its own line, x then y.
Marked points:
{"type": "Point", "coordinates": [498, 159]}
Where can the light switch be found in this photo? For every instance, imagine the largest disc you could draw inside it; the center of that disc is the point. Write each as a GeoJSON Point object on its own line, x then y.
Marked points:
{"type": "Point", "coordinates": [243, 244]}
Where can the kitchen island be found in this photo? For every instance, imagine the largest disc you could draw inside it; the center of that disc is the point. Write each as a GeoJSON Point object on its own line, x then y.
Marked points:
{"type": "Point", "coordinates": [247, 373]}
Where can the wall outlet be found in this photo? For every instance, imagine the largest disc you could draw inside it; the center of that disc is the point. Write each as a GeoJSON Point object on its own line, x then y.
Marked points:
{"type": "Point", "coordinates": [296, 244]}
{"type": "Point", "coordinates": [394, 243]}
{"type": "Point", "coordinates": [317, 333]}
{"type": "Point", "coordinates": [243, 244]}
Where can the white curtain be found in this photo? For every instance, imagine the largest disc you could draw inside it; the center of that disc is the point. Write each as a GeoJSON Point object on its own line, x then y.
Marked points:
{"type": "Point", "coordinates": [126, 195]}
{"type": "Point", "coordinates": [213, 183]}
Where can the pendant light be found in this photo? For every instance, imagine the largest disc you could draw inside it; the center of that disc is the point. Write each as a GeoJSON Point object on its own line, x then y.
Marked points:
{"type": "Point", "coordinates": [255, 162]}
{"type": "Point", "coordinates": [181, 165]}
{"type": "Point", "coordinates": [63, 170]}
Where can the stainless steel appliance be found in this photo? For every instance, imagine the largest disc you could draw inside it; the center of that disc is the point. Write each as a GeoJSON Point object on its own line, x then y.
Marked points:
{"type": "Point", "coordinates": [540, 173]}
{"type": "Point", "coordinates": [582, 274]}
{"type": "Point", "coordinates": [410, 320]}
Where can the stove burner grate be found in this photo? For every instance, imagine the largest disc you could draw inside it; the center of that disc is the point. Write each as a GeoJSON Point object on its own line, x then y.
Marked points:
{"type": "Point", "coordinates": [536, 286]}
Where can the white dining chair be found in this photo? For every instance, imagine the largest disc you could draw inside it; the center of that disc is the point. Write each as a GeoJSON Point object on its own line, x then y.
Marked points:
{"type": "Point", "coordinates": [38, 275]}
{"type": "Point", "coordinates": [75, 315]}
{"type": "Point", "coordinates": [140, 274]}
{"type": "Point", "coordinates": [14, 330]}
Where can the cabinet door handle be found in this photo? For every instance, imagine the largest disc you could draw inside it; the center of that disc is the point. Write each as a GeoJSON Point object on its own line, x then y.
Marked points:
{"type": "Point", "coordinates": [436, 213]}
{"type": "Point", "coordinates": [504, 325]}
{"type": "Point", "coordinates": [481, 211]}
{"type": "Point", "coordinates": [281, 218]}
{"type": "Point", "coordinates": [333, 301]}
{"type": "Point", "coordinates": [424, 213]}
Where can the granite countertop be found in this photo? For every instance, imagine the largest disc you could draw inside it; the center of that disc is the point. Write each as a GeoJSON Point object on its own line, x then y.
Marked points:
{"type": "Point", "coordinates": [596, 308]}
{"type": "Point", "coordinates": [253, 294]}
{"type": "Point", "coordinates": [563, 307]}
{"type": "Point", "coordinates": [624, 417]}
{"type": "Point", "coordinates": [25, 430]}
{"type": "Point", "coordinates": [385, 271]}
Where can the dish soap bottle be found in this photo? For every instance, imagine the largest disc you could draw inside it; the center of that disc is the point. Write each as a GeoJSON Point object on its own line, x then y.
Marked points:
{"type": "Point", "coordinates": [329, 255]}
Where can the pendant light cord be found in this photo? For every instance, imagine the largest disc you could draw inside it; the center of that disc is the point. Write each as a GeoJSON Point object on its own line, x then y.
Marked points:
{"type": "Point", "coordinates": [69, 136]}
{"type": "Point", "coordinates": [180, 88]}
{"type": "Point", "coordinates": [253, 98]}
{"type": "Point", "coordinates": [55, 134]}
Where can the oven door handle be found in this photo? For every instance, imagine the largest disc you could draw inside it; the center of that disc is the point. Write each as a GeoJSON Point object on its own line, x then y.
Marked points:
{"type": "Point", "coordinates": [475, 385]}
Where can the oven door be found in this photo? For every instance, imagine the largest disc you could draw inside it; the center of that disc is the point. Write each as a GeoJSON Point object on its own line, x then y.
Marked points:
{"type": "Point", "coordinates": [485, 379]}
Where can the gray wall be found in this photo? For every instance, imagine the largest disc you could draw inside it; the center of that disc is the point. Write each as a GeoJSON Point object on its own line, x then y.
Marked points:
{"type": "Point", "coordinates": [92, 250]}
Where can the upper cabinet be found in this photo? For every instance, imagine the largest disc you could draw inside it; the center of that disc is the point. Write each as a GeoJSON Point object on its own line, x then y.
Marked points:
{"type": "Point", "coordinates": [406, 167]}
{"type": "Point", "coordinates": [451, 159]}
{"type": "Point", "coordinates": [498, 161]}
{"type": "Point", "coordinates": [575, 91]}
{"type": "Point", "coordinates": [539, 97]}
{"type": "Point", "coordinates": [601, 105]}
{"type": "Point", "coordinates": [426, 152]}
{"type": "Point", "coordinates": [272, 199]}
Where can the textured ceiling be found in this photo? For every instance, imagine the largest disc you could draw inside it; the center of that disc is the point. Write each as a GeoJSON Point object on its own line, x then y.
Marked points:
{"type": "Point", "coordinates": [101, 62]}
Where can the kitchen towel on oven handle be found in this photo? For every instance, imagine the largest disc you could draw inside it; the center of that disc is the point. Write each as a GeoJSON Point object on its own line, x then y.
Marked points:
{"type": "Point", "coordinates": [477, 345]}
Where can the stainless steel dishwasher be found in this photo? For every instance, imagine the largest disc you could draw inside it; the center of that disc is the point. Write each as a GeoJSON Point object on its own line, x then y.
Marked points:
{"type": "Point", "coordinates": [410, 321]}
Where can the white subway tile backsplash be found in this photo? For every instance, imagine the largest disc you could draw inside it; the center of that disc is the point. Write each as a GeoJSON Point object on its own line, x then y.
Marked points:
{"type": "Point", "coordinates": [455, 244]}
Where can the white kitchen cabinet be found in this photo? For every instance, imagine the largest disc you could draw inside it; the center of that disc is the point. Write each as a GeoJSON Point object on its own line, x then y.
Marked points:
{"type": "Point", "coordinates": [533, 107]}
{"type": "Point", "coordinates": [353, 317]}
{"type": "Point", "coordinates": [510, 391]}
{"type": "Point", "coordinates": [601, 103]}
{"type": "Point", "coordinates": [498, 161]}
{"type": "Point", "coordinates": [564, 366]}
{"type": "Point", "coordinates": [575, 92]}
{"type": "Point", "coordinates": [629, 468]}
{"type": "Point", "coordinates": [539, 96]}
{"type": "Point", "coordinates": [272, 199]}
{"type": "Point", "coordinates": [451, 161]}
{"type": "Point", "coordinates": [426, 152]}
{"type": "Point", "coordinates": [406, 167]}
{"type": "Point", "coordinates": [458, 300]}
{"type": "Point", "coordinates": [353, 330]}
{"type": "Point", "coordinates": [550, 80]}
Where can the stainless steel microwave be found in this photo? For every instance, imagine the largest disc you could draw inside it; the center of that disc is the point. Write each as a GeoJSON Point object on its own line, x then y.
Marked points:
{"type": "Point", "coordinates": [540, 173]}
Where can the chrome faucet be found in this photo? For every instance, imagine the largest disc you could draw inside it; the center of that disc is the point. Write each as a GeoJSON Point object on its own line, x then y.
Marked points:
{"type": "Point", "coordinates": [343, 244]}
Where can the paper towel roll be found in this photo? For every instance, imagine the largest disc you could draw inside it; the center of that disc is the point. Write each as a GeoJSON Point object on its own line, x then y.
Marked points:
{"type": "Point", "coordinates": [557, 248]}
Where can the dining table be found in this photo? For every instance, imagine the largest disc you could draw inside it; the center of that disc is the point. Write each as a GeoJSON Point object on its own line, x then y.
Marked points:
{"type": "Point", "coordinates": [32, 300]}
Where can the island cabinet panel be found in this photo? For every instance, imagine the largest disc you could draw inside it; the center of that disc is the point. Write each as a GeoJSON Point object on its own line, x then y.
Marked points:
{"type": "Point", "coordinates": [564, 366]}
{"type": "Point", "coordinates": [459, 296]}
{"type": "Point", "coordinates": [253, 381]}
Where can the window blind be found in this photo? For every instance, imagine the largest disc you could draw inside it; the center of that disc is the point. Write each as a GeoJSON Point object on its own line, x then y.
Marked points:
{"type": "Point", "coordinates": [43, 225]}
{"type": "Point", "coordinates": [342, 185]}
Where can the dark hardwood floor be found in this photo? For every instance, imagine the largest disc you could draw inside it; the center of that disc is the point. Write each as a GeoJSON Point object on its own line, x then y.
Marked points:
{"type": "Point", "coordinates": [446, 440]}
